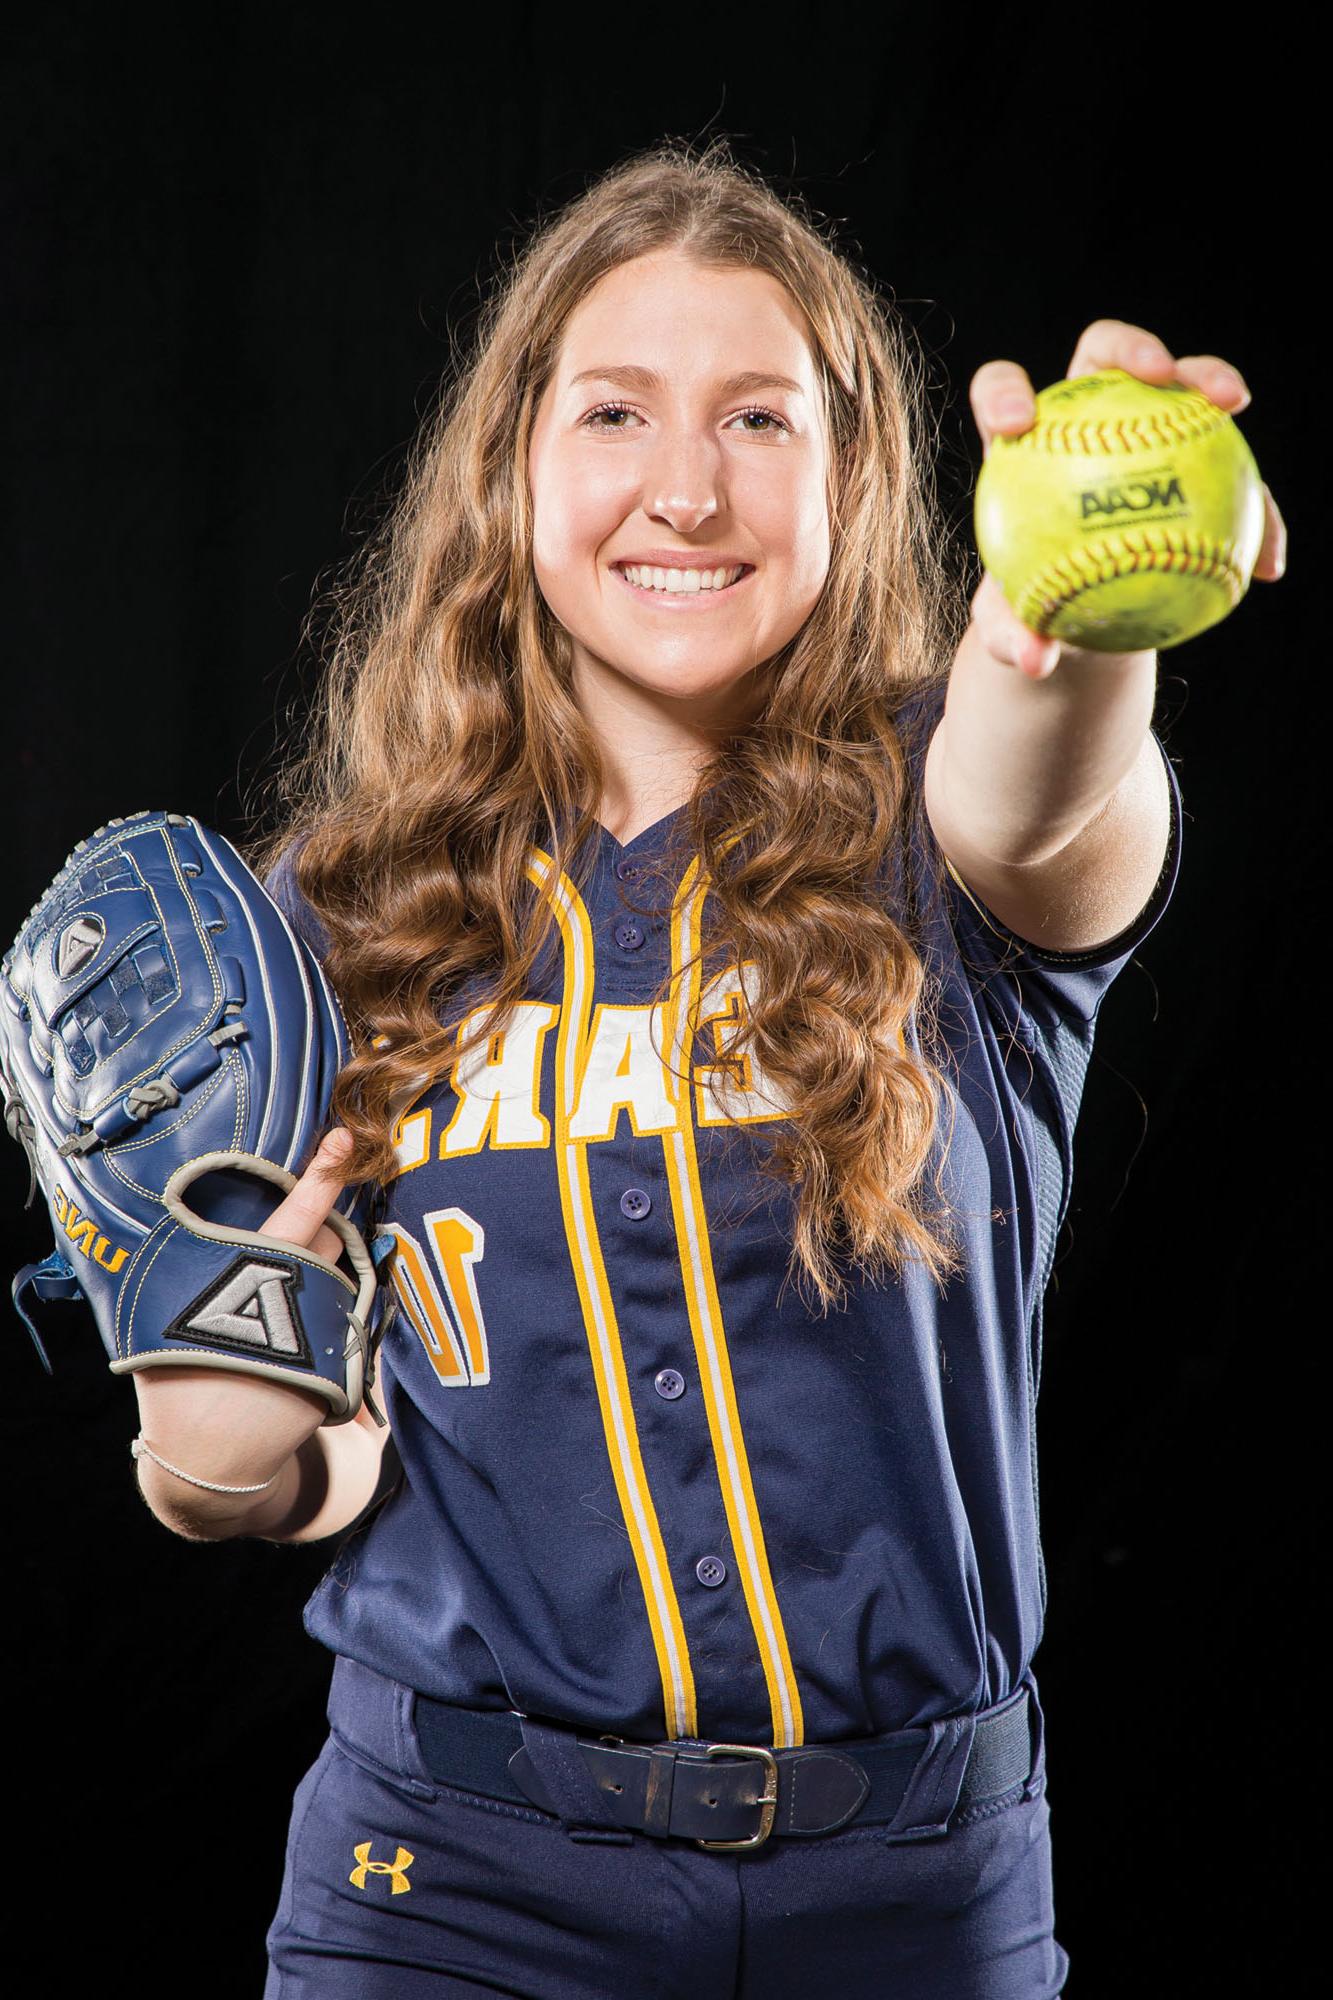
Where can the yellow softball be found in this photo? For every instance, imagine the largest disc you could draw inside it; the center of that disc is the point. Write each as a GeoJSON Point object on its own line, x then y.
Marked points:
{"type": "Point", "coordinates": [1127, 517]}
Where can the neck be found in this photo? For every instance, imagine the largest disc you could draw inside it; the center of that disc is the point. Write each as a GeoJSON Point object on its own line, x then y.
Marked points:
{"type": "Point", "coordinates": [653, 745]}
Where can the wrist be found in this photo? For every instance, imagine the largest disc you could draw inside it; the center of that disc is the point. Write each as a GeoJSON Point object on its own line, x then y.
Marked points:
{"type": "Point", "coordinates": [200, 1512]}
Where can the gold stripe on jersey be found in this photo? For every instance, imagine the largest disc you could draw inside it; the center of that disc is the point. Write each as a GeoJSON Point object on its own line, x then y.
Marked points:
{"type": "Point", "coordinates": [604, 1343]}
{"type": "Point", "coordinates": [708, 1329]}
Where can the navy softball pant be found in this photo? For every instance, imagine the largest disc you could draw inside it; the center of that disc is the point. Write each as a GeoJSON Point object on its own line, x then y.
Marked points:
{"type": "Point", "coordinates": [399, 1888]}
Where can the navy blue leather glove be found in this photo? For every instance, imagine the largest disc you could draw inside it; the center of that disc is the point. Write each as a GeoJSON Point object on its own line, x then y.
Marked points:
{"type": "Point", "coordinates": [168, 1050]}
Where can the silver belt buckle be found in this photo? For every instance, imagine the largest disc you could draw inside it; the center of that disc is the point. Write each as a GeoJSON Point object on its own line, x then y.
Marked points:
{"type": "Point", "coordinates": [767, 1802]}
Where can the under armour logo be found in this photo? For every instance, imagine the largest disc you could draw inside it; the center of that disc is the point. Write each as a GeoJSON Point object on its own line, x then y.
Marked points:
{"type": "Point", "coordinates": [79, 944]}
{"type": "Point", "coordinates": [397, 1868]}
{"type": "Point", "coordinates": [251, 1307]}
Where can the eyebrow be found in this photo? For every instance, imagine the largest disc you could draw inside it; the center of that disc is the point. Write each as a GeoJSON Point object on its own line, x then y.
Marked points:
{"type": "Point", "coordinates": [631, 377]}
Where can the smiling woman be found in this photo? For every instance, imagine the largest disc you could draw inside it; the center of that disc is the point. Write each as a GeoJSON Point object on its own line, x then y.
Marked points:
{"type": "Point", "coordinates": [613, 839]}
{"type": "Point", "coordinates": [685, 482]}
{"type": "Point", "coordinates": [480, 686]}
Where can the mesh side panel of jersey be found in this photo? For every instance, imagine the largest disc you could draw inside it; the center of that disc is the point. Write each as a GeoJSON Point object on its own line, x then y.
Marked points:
{"type": "Point", "coordinates": [1064, 1071]}
{"type": "Point", "coordinates": [1061, 1064]}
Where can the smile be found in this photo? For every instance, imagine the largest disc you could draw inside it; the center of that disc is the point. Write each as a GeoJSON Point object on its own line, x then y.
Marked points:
{"type": "Point", "coordinates": [686, 599]}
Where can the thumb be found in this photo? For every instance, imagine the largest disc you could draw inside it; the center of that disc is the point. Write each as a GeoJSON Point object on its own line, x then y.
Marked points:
{"type": "Point", "coordinates": [1005, 636]}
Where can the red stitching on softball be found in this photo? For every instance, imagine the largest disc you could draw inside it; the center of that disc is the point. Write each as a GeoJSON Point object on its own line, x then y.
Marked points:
{"type": "Point", "coordinates": [1054, 587]}
{"type": "Point", "coordinates": [1153, 430]}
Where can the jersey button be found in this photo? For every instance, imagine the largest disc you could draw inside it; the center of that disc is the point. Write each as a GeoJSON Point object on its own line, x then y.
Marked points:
{"type": "Point", "coordinates": [669, 1382]}
{"type": "Point", "coordinates": [635, 1204]}
{"type": "Point", "coordinates": [628, 871]}
{"type": "Point", "coordinates": [628, 936]}
{"type": "Point", "coordinates": [711, 1570]}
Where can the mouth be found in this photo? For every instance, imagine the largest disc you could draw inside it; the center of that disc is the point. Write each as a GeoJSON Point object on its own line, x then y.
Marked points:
{"type": "Point", "coordinates": [685, 600]}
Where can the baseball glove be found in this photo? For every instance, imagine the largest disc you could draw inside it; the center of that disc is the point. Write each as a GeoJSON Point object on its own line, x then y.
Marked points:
{"type": "Point", "coordinates": [168, 1049]}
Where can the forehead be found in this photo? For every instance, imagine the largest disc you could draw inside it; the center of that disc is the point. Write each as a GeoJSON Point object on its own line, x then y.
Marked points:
{"type": "Point", "coordinates": [665, 312]}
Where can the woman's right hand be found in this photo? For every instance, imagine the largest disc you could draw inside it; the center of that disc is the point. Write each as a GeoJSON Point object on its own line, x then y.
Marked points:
{"type": "Point", "coordinates": [236, 1427]}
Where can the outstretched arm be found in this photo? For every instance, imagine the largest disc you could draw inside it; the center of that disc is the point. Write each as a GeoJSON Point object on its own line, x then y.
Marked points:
{"type": "Point", "coordinates": [1043, 786]}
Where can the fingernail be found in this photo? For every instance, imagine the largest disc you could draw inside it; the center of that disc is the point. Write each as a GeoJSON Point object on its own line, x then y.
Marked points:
{"type": "Point", "coordinates": [1149, 353]}
{"type": "Point", "coordinates": [1013, 410]}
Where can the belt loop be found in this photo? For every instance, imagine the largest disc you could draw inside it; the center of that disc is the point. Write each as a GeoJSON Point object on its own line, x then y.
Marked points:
{"type": "Point", "coordinates": [658, 1790]}
{"type": "Point", "coordinates": [932, 1790]}
{"type": "Point", "coordinates": [1037, 1725]}
{"type": "Point", "coordinates": [410, 1759]}
{"type": "Point", "coordinates": [371, 1715]}
{"type": "Point", "coordinates": [564, 1775]}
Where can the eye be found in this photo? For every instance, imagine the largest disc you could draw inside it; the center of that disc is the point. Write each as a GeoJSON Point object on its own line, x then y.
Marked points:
{"type": "Point", "coordinates": [770, 416]}
{"type": "Point", "coordinates": [625, 409]}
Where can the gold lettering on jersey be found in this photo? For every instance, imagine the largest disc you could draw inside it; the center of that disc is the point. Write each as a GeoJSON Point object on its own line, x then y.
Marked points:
{"type": "Point", "coordinates": [395, 1869]}
{"type": "Point", "coordinates": [411, 1140]}
{"type": "Point", "coordinates": [447, 1317]}
{"type": "Point", "coordinates": [498, 1088]}
{"type": "Point", "coordinates": [622, 1070]}
{"type": "Point", "coordinates": [459, 1243]}
{"type": "Point", "coordinates": [731, 1088]}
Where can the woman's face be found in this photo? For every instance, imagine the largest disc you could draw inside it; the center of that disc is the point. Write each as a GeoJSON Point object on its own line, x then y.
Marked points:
{"type": "Point", "coordinates": [678, 473]}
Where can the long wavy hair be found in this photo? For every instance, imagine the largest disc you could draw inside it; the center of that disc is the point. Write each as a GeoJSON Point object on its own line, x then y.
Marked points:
{"type": "Point", "coordinates": [446, 738]}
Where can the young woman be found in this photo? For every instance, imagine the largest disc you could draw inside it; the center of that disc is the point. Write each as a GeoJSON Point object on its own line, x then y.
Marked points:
{"type": "Point", "coordinates": [723, 916]}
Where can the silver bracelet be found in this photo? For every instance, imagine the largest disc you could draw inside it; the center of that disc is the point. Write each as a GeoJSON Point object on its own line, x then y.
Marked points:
{"type": "Point", "coordinates": [138, 1448]}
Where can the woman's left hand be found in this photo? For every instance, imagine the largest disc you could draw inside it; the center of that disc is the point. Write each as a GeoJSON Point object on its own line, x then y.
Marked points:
{"type": "Point", "coordinates": [1004, 403]}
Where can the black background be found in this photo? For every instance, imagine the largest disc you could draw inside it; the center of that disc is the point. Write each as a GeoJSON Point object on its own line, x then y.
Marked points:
{"type": "Point", "coordinates": [235, 247]}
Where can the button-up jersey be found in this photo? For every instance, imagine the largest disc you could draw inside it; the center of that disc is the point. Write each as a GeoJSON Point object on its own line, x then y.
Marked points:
{"type": "Point", "coordinates": [644, 1488]}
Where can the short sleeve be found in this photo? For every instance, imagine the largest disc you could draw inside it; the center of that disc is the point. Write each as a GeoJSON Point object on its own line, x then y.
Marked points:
{"type": "Point", "coordinates": [1052, 1008]}
{"type": "Point", "coordinates": [1041, 1006]}
{"type": "Point", "coordinates": [1062, 984]}
{"type": "Point", "coordinates": [282, 887]}
{"type": "Point", "coordinates": [1055, 985]}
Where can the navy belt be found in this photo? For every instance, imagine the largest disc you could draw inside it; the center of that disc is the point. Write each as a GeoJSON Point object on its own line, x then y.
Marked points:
{"type": "Point", "coordinates": [721, 1795]}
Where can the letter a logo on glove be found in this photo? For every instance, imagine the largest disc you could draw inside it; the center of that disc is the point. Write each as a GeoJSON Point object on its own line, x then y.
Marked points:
{"type": "Point", "coordinates": [250, 1308]}
{"type": "Point", "coordinates": [78, 945]}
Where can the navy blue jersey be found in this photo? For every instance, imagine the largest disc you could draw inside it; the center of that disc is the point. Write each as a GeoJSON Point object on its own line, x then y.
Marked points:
{"type": "Point", "coordinates": [645, 1489]}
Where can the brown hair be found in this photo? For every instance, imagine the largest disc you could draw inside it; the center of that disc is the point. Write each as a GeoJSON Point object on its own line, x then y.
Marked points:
{"type": "Point", "coordinates": [448, 735]}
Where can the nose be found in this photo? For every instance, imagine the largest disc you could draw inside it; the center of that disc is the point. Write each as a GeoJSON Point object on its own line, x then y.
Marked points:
{"type": "Point", "coordinates": [682, 485]}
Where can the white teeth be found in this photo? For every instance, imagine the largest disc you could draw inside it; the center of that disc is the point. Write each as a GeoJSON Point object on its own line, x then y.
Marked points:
{"type": "Point", "coordinates": [681, 579]}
